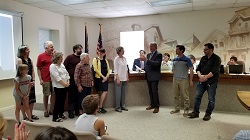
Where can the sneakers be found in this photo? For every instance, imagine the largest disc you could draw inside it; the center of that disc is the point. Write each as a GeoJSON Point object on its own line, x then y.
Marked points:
{"type": "Point", "coordinates": [193, 115]}
{"type": "Point", "coordinates": [102, 110]}
{"type": "Point", "coordinates": [207, 117]}
{"type": "Point", "coordinates": [174, 111]}
{"type": "Point", "coordinates": [118, 110]}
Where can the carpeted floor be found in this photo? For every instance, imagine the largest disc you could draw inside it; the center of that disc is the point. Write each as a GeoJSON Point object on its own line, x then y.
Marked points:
{"type": "Point", "coordinates": [139, 124]}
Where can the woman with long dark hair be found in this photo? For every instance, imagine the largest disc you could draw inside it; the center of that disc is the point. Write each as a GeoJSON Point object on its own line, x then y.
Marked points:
{"type": "Point", "coordinates": [23, 58]}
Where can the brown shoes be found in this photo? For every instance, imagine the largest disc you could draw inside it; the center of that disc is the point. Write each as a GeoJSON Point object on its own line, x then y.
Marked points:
{"type": "Point", "coordinates": [149, 107]}
{"type": "Point", "coordinates": [156, 110]}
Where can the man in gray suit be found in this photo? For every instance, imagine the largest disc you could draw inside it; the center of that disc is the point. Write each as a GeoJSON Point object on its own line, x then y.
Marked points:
{"type": "Point", "coordinates": [153, 75]}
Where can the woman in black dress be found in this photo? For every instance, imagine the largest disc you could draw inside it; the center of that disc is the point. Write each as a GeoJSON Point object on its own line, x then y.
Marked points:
{"type": "Point", "coordinates": [23, 58]}
{"type": "Point", "coordinates": [102, 71]}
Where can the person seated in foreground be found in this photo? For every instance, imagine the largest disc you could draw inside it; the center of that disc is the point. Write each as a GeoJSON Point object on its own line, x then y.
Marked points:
{"type": "Point", "coordinates": [233, 61]}
{"type": "Point", "coordinates": [88, 121]}
{"type": "Point", "coordinates": [56, 133]}
{"type": "Point", "coordinates": [166, 64]}
{"type": "Point", "coordinates": [3, 126]}
{"type": "Point", "coordinates": [242, 135]}
{"type": "Point", "coordinates": [138, 62]}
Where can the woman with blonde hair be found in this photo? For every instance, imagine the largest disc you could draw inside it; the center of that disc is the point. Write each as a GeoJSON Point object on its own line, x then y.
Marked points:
{"type": "Point", "coordinates": [60, 82]}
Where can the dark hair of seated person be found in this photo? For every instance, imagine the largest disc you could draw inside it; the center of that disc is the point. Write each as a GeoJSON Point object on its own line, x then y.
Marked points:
{"type": "Point", "coordinates": [56, 133]}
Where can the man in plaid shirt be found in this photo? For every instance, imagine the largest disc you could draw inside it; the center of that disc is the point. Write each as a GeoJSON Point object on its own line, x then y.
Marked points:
{"type": "Point", "coordinates": [83, 78]}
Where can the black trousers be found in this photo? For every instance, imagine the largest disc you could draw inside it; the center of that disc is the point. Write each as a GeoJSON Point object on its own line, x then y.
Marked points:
{"type": "Point", "coordinates": [59, 102]}
{"type": "Point", "coordinates": [153, 93]}
{"type": "Point", "coordinates": [73, 98]}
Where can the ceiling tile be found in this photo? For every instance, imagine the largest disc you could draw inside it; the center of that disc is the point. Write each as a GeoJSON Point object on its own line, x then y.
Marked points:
{"type": "Point", "coordinates": [30, 1]}
{"type": "Point", "coordinates": [88, 5]}
{"type": "Point", "coordinates": [123, 2]}
{"type": "Point", "coordinates": [59, 8]}
{"type": "Point", "coordinates": [179, 6]}
{"type": "Point", "coordinates": [98, 9]}
{"type": "Point", "coordinates": [44, 4]}
{"type": "Point", "coordinates": [174, 10]}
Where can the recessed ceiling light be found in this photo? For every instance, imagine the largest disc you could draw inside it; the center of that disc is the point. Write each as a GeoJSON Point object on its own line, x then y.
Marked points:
{"type": "Point", "coordinates": [168, 2]}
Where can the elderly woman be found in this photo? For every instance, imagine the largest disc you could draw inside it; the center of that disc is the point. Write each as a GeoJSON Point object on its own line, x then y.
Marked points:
{"type": "Point", "coordinates": [102, 71]}
{"type": "Point", "coordinates": [60, 82]}
{"type": "Point", "coordinates": [120, 79]}
{"type": "Point", "coordinates": [83, 78]}
{"type": "Point", "coordinates": [23, 58]}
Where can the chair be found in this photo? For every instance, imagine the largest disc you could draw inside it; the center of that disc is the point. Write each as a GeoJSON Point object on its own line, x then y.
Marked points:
{"type": "Point", "coordinates": [107, 137]}
{"type": "Point", "coordinates": [35, 128]}
{"type": "Point", "coordinates": [84, 135]}
{"type": "Point", "coordinates": [10, 128]}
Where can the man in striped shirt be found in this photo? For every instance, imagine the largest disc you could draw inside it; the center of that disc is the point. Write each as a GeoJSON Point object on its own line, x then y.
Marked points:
{"type": "Point", "coordinates": [83, 78]}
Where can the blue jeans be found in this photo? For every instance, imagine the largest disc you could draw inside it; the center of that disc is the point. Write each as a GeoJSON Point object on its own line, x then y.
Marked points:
{"type": "Point", "coordinates": [211, 90]}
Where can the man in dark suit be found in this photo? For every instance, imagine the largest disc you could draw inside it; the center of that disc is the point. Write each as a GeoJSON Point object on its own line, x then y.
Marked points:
{"type": "Point", "coordinates": [153, 75]}
{"type": "Point", "coordinates": [138, 61]}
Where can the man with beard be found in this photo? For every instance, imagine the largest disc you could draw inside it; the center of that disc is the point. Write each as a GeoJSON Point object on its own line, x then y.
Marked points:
{"type": "Point", "coordinates": [70, 64]}
{"type": "Point", "coordinates": [208, 72]}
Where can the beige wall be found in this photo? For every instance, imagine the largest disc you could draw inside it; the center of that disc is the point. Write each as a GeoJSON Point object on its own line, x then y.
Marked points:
{"type": "Point", "coordinates": [34, 18]}
{"type": "Point", "coordinates": [6, 93]}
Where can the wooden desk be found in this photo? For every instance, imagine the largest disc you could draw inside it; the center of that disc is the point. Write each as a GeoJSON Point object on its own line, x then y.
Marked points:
{"type": "Point", "coordinates": [244, 98]}
{"type": "Point", "coordinates": [226, 99]}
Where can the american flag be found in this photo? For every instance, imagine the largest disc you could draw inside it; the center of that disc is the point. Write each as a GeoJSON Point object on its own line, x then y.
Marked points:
{"type": "Point", "coordinates": [86, 40]}
{"type": "Point", "coordinates": [99, 44]}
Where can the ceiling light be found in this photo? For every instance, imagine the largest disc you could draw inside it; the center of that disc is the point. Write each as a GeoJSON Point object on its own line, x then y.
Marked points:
{"type": "Point", "coordinates": [168, 2]}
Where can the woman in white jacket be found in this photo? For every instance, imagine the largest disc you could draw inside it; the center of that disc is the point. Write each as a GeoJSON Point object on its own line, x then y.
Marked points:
{"type": "Point", "coordinates": [60, 82]}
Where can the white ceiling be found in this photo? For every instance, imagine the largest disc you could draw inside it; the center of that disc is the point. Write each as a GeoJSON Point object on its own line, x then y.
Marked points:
{"type": "Point", "coordinates": [123, 8]}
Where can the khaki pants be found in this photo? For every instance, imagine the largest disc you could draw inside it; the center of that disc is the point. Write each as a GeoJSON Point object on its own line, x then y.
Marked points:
{"type": "Point", "coordinates": [181, 86]}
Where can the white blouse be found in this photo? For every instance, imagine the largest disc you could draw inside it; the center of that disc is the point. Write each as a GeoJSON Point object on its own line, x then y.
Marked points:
{"type": "Point", "coordinates": [120, 68]}
{"type": "Point", "coordinates": [58, 73]}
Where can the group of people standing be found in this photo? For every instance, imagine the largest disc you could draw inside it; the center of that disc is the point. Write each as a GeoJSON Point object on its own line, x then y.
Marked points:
{"type": "Point", "coordinates": [57, 78]}
{"type": "Point", "coordinates": [74, 76]}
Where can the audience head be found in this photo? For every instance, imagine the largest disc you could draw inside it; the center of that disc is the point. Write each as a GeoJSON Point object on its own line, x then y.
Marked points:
{"type": "Point", "coordinates": [90, 104]}
{"type": "Point", "coordinates": [77, 49]}
{"type": "Point", "coordinates": [57, 58]}
{"type": "Point", "coordinates": [208, 49]}
{"type": "Point", "coordinates": [180, 49]}
{"type": "Point", "coordinates": [21, 70]}
{"type": "Point", "coordinates": [56, 133]}
{"type": "Point", "coordinates": [102, 52]}
{"type": "Point", "coordinates": [23, 51]}
{"type": "Point", "coordinates": [3, 125]}
{"type": "Point", "coordinates": [120, 50]}
{"type": "Point", "coordinates": [192, 58]}
{"type": "Point", "coordinates": [49, 47]}
{"type": "Point", "coordinates": [166, 57]}
{"type": "Point", "coordinates": [142, 53]}
{"type": "Point", "coordinates": [152, 46]}
{"type": "Point", "coordinates": [233, 60]}
{"type": "Point", "coordinates": [84, 58]}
